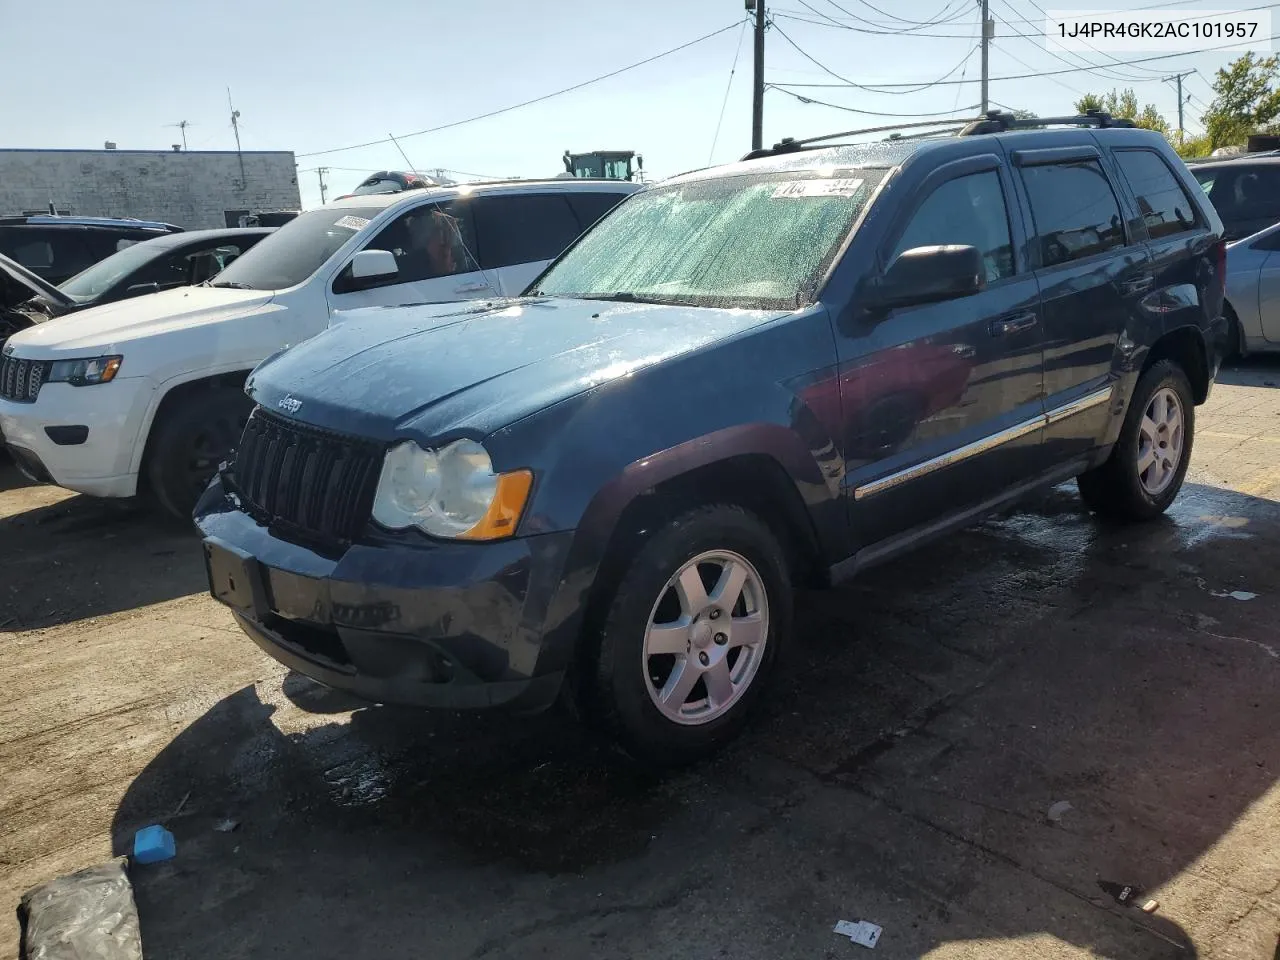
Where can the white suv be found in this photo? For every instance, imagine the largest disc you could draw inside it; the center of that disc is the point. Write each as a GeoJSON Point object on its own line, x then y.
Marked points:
{"type": "Point", "coordinates": [147, 394]}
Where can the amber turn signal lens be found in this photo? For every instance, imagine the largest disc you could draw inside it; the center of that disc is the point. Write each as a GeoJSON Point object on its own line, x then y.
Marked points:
{"type": "Point", "coordinates": [504, 512]}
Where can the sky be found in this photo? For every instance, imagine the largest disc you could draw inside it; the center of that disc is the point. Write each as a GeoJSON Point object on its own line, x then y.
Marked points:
{"type": "Point", "coordinates": [319, 75]}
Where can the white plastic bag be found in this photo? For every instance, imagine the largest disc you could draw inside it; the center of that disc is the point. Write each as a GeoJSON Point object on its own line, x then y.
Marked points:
{"type": "Point", "coordinates": [89, 915]}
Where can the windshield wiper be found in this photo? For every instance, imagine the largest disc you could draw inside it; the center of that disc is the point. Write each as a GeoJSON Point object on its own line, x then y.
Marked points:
{"type": "Point", "coordinates": [232, 284]}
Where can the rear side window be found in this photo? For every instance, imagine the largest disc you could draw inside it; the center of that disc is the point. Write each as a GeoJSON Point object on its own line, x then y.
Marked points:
{"type": "Point", "coordinates": [1165, 207]}
{"type": "Point", "coordinates": [1075, 211]}
{"type": "Point", "coordinates": [967, 210]}
{"type": "Point", "coordinates": [523, 228]}
{"type": "Point", "coordinates": [590, 207]}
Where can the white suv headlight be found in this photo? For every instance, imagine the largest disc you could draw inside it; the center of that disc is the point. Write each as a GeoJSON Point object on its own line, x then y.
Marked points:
{"type": "Point", "coordinates": [451, 493]}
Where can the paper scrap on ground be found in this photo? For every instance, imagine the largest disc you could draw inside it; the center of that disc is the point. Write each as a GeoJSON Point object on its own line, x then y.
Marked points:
{"type": "Point", "coordinates": [859, 931]}
{"type": "Point", "coordinates": [1057, 811]}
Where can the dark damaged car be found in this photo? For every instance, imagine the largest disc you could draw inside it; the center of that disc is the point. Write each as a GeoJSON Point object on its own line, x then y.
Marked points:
{"type": "Point", "coordinates": [744, 379]}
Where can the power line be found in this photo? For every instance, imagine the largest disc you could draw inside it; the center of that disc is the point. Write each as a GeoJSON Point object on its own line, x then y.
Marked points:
{"type": "Point", "coordinates": [527, 103]}
{"type": "Point", "coordinates": [1032, 76]}
{"type": "Point", "coordinates": [1060, 57]}
{"type": "Point", "coordinates": [878, 33]}
{"type": "Point", "coordinates": [916, 88]}
{"type": "Point", "coordinates": [967, 111]}
{"type": "Point", "coordinates": [727, 88]}
{"type": "Point", "coordinates": [884, 13]}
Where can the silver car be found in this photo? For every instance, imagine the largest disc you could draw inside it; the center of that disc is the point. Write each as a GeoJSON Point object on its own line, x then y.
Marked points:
{"type": "Point", "coordinates": [1253, 291]}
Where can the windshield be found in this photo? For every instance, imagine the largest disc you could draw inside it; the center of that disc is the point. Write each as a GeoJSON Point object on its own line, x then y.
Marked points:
{"type": "Point", "coordinates": [105, 274]}
{"type": "Point", "coordinates": [296, 250]}
{"type": "Point", "coordinates": [758, 242]}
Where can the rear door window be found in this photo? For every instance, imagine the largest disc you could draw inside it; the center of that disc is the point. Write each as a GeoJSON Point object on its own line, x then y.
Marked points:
{"type": "Point", "coordinates": [968, 210]}
{"type": "Point", "coordinates": [523, 228]}
{"type": "Point", "coordinates": [590, 207]}
{"type": "Point", "coordinates": [1075, 211]}
{"type": "Point", "coordinates": [1163, 204]}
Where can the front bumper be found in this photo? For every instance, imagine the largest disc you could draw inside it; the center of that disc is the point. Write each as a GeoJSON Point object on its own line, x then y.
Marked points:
{"type": "Point", "coordinates": [433, 624]}
{"type": "Point", "coordinates": [100, 465]}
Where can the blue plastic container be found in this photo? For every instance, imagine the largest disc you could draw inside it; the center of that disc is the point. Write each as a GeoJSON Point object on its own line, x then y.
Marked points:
{"type": "Point", "coordinates": [153, 844]}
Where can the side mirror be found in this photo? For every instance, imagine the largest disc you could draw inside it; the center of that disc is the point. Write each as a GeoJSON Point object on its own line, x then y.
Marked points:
{"type": "Point", "coordinates": [138, 289]}
{"type": "Point", "coordinates": [929, 275]}
{"type": "Point", "coordinates": [373, 263]}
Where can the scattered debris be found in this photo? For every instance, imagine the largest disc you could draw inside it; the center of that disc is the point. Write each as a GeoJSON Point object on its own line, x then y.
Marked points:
{"type": "Point", "coordinates": [181, 803]}
{"type": "Point", "coordinates": [1058, 810]}
{"type": "Point", "coordinates": [89, 915]}
{"type": "Point", "coordinates": [1235, 595]}
{"type": "Point", "coordinates": [1123, 893]}
{"type": "Point", "coordinates": [226, 826]}
{"type": "Point", "coordinates": [153, 844]}
{"type": "Point", "coordinates": [861, 932]}
{"type": "Point", "coordinates": [1151, 906]}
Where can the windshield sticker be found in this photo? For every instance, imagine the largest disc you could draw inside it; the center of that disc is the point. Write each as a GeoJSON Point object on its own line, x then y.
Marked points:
{"type": "Point", "coordinates": [817, 188]}
{"type": "Point", "coordinates": [352, 223]}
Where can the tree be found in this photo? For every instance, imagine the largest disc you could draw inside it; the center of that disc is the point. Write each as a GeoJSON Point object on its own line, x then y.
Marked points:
{"type": "Point", "coordinates": [1247, 100]}
{"type": "Point", "coordinates": [1124, 105]}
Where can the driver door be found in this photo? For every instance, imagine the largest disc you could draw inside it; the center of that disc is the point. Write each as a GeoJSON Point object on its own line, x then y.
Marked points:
{"type": "Point", "coordinates": [943, 401]}
{"type": "Point", "coordinates": [434, 248]}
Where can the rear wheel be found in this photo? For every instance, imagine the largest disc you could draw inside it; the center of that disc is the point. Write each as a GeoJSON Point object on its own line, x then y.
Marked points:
{"type": "Point", "coordinates": [189, 443]}
{"type": "Point", "coordinates": [1149, 461]}
{"type": "Point", "coordinates": [692, 634]}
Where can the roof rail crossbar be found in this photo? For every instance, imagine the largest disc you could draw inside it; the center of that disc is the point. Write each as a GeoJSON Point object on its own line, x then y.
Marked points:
{"type": "Point", "coordinates": [997, 121]}
{"type": "Point", "coordinates": [792, 145]}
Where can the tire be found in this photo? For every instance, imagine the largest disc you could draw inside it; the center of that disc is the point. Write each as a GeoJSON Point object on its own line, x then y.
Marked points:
{"type": "Point", "coordinates": [631, 671]}
{"type": "Point", "coordinates": [1235, 340]}
{"type": "Point", "coordinates": [1117, 489]}
{"type": "Point", "coordinates": [189, 442]}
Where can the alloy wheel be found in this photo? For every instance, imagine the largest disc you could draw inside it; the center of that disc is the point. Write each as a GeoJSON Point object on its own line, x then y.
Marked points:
{"type": "Point", "coordinates": [1160, 441]}
{"type": "Point", "coordinates": [705, 638]}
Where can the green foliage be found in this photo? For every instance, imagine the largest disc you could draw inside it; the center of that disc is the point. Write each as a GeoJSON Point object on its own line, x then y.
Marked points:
{"type": "Point", "coordinates": [1124, 105]}
{"type": "Point", "coordinates": [1193, 147]}
{"type": "Point", "coordinates": [1247, 100]}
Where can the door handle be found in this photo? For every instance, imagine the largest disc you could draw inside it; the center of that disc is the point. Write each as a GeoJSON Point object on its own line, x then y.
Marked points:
{"type": "Point", "coordinates": [471, 288]}
{"type": "Point", "coordinates": [1013, 324]}
{"type": "Point", "coordinates": [1139, 285]}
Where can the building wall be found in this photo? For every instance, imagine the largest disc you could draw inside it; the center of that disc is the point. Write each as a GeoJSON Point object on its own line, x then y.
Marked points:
{"type": "Point", "coordinates": [191, 189]}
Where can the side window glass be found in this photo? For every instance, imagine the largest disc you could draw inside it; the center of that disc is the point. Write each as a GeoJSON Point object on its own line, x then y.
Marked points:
{"type": "Point", "coordinates": [201, 265]}
{"type": "Point", "coordinates": [523, 228]}
{"type": "Point", "coordinates": [970, 211]}
{"type": "Point", "coordinates": [1165, 207]}
{"type": "Point", "coordinates": [428, 242]}
{"type": "Point", "coordinates": [1075, 211]}
{"type": "Point", "coordinates": [590, 207]}
{"type": "Point", "coordinates": [35, 255]}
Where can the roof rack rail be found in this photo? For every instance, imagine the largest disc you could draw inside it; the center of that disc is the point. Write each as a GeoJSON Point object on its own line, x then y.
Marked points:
{"type": "Point", "coordinates": [792, 145]}
{"type": "Point", "coordinates": [997, 121]}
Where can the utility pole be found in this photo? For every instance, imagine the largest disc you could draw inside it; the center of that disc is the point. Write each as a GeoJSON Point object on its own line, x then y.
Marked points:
{"type": "Point", "coordinates": [1177, 78]}
{"type": "Point", "coordinates": [988, 31]}
{"type": "Point", "coordinates": [757, 99]}
{"type": "Point", "coordinates": [320, 172]}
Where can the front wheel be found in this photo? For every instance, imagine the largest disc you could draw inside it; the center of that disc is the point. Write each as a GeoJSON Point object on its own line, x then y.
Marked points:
{"type": "Point", "coordinates": [190, 441]}
{"type": "Point", "coordinates": [1149, 462]}
{"type": "Point", "coordinates": [692, 634]}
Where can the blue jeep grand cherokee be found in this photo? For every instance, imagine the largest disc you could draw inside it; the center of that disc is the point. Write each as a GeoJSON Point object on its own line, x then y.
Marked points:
{"type": "Point", "coordinates": [745, 378]}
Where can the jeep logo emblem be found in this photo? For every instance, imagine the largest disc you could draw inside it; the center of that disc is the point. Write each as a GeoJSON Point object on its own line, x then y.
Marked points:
{"type": "Point", "coordinates": [290, 403]}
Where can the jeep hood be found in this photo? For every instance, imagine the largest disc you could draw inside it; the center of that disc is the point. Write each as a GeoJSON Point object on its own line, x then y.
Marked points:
{"type": "Point", "coordinates": [428, 370]}
{"type": "Point", "coordinates": [112, 325]}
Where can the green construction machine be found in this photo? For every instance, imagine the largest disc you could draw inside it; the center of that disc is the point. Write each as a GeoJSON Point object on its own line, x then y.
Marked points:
{"type": "Point", "coordinates": [605, 165]}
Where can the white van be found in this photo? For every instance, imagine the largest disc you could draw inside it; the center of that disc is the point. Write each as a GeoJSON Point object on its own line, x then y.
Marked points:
{"type": "Point", "coordinates": [147, 394]}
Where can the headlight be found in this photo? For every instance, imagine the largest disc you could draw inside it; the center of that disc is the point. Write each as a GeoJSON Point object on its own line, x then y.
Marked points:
{"type": "Point", "coordinates": [82, 373]}
{"type": "Point", "coordinates": [450, 493]}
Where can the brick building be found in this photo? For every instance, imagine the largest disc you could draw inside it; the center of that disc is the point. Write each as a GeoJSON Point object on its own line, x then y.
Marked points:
{"type": "Point", "coordinates": [194, 189]}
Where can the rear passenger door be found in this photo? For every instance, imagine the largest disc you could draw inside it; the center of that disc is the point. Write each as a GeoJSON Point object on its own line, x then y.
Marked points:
{"type": "Point", "coordinates": [1092, 272]}
{"type": "Point", "coordinates": [942, 401]}
{"type": "Point", "coordinates": [520, 233]}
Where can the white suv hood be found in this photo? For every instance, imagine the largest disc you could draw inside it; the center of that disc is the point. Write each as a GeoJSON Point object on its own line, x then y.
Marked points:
{"type": "Point", "coordinates": [105, 329]}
